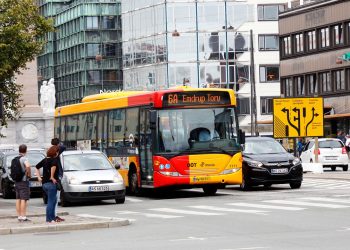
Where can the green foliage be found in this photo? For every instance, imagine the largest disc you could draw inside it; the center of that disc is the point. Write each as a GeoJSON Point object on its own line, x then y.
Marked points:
{"type": "Point", "coordinates": [21, 31]}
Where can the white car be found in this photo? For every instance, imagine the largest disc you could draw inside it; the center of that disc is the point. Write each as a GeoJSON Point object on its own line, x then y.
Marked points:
{"type": "Point", "coordinates": [331, 153]}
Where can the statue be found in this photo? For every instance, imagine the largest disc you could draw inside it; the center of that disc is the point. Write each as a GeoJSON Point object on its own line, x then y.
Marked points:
{"type": "Point", "coordinates": [44, 96]}
{"type": "Point", "coordinates": [51, 93]}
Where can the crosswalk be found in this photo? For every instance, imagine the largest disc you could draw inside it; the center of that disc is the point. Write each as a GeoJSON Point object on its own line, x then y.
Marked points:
{"type": "Point", "coordinates": [258, 208]}
{"type": "Point", "coordinates": [328, 184]}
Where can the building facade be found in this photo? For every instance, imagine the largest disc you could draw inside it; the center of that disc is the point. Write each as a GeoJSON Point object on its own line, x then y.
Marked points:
{"type": "Point", "coordinates": [315, 58]}
{"type": "Point", "coordinates": [83, 55]}
{"type": "Point", "coordinates": [205, 43]}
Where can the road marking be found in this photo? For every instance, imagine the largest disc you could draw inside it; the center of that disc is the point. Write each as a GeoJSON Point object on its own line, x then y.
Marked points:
{"type": "Point", "coordinates": [102, 217]}
{"type": "Point", "coordinates": [181, 211]}
{"type": "Point", "coordinates": [126, 212]}
{"type": "Point", "coordinates": [242, 204]}
{"type": "Point", "coordinates": [326, 199]}
{"type": "Point", "coordinates": [162, 216]}
{"type": "Point", "coordinates": [303, 203]}
{"type": "Point", "coordinates": [133, 199]}
{"type": "Point", "coordinates": [221, 209]}
{"type": "Point", "coordinates": [189, 238]}
{"type": "Point", "coordinates": [244, 248]}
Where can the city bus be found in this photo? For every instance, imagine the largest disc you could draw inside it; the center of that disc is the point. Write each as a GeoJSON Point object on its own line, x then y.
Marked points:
{"type": "Point", "coordinates": [183, 137]}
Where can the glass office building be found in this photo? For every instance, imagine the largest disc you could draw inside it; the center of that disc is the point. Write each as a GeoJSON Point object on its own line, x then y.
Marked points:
{"type": "Point", "coordinates": [198, 43]}
{"type": "Point", "coordinates": [83, 55]}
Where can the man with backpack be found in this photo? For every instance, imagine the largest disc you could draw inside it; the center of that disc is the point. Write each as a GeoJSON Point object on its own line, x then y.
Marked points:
{"type": "Point", "coordinates": [21, 173]}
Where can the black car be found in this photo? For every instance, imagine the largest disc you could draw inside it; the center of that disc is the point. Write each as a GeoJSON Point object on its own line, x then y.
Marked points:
{"type": "Point", "coordinates": [266, 162]}
{"type": "Point", "coordinates": [6, 183]}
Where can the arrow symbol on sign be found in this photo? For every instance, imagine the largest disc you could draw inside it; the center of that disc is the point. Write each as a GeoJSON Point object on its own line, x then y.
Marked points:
{"type": "Point", "coordinates": [313, 116]}
{"type": "Point", "coordinates": [284, 110]}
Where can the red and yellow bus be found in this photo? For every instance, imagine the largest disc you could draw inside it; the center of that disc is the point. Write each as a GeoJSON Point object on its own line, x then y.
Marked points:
{"type": "Point", "coordinates": [183, 137]}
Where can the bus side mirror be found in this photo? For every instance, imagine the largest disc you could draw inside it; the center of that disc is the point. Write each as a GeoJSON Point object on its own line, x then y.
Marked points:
{"type": "Point", "coordinates": [153, 119]}
{"type": "Point", "coordinates": [241, 136]}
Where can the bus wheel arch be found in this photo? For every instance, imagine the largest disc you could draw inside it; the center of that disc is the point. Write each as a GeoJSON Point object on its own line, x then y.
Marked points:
{"type": "Point", "coordinates": [134, 188]}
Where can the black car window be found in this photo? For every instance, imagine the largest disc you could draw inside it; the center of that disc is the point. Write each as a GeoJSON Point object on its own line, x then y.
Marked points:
{"type": "Point", "coordinates": [330, 144]}
{"type": "Point", "coordinates": [311, 144]}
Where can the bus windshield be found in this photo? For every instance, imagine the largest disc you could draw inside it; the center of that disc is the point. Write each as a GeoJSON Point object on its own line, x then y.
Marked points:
{"type": "Point", "coordinates": [197, 130]}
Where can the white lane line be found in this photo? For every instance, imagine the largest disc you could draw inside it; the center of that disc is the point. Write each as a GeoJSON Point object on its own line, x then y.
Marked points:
{"type": "Point", "coordinates": [126, 212]}
{"type": "Point", "coordinates": [326, 199]}
{"type": "Point", "coordinates": [244, 248]}
{"type": "Point", "coordinates": [102, 217]}
{"type": "Point", "coordinates": [221, 209]}
{"type": "Point", "coordinates": [133, 199]}
{"type": "Point", "coordinates": [303, 203]}
{"type": "Point", "coordinates": [242, 204]}
{"type": "Point", "coordinates": [181, 211]}
{"type": "Point", "coordinates": [189, 238]}
{"type": "Point", "coordinates": [162, 216]}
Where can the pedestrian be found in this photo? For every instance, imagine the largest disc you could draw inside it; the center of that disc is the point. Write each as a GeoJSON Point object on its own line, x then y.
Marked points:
{"type": "Point", "coordinates": [341, 136]}
{"type": "Point", "coordinates": [56, 142]}
{"type": "Point", "coordinates": [22, 187]}
{"type": "Point", "coordinates": [300, 146]}
{"type": "Point", "coordinates": [49, 181]}
{"type": "Point", "coordinates": [347, 143]}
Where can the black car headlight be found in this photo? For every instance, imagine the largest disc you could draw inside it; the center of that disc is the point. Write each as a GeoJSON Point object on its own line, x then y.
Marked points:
{"type": "Point", "coordinates": [296, 161]}
{"type": "Point", "coordinates": [255, 164]}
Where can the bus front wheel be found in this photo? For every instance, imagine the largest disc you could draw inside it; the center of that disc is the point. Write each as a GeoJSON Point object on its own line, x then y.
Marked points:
{"type": "Point", "coordinates": [133, 184]}
{"type": "Point", "coordinates": [210, 190]}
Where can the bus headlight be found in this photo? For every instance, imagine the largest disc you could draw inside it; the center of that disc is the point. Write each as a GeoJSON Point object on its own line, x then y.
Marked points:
{"type": "Point", "coordinates": [230, 171]}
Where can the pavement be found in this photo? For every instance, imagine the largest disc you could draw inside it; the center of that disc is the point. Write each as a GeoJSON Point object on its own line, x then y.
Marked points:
{"type": "Point", "coordinates": [37, 224]}
{"type": "Point", "coordinates": [335, 175]}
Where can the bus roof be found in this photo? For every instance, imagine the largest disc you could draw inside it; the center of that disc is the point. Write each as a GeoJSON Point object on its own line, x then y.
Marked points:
{"type": "Point", "coordinates": [179, 97]}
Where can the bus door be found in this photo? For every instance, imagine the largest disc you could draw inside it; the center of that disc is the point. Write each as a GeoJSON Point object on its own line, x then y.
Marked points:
{"type": "Point", "coordinates": [145, 149]}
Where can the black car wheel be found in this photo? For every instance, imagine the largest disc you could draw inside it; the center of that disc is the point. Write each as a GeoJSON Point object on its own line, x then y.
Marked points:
{"type": "Point", "coordinates": [245, 186]}
{"type": "Point", "coordinates": [345, 168]}
{"type": "Point", "coordinates": [267, 185]}
{"type": "Point", "coordinates": [333, 168]}
{"type": "Point", "coordinates": [295, 185]}
{"type": "Point", "coordinates": [210, 190]}
{"type": "Point", "coordinates": [120, 200]}
{"type": "Point", "coordinates": [6, 190]}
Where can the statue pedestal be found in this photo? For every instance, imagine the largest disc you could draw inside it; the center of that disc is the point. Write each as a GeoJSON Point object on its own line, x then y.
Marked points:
{"type": "Point", "coordinates": [34, 128]}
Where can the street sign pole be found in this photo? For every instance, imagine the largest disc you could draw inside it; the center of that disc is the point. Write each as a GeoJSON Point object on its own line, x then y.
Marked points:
{"type": "Point", "coordinates": [316, 150]}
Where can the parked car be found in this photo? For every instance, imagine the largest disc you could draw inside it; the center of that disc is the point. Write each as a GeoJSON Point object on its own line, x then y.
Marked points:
{"type": "Point", "coordinates": [331, 153]}
{"type": "Point", "coordinates": [6, 182]}
{"type": "Point", "coordinates": [266, 162]}
{"type": "Point", "coordinates": [89, 176]}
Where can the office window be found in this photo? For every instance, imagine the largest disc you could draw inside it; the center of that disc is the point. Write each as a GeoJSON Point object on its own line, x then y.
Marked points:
{"type": "Point", "coordinates": [93, 49]}
{"type": "Point", "coordinates": [94, 76]}
{"type": "Point", "coordinates": [299, 81]}
{"type": "Point", "coordinates": [268, 42]}
{"type": "Point", "coordinates": [311, 84]}
{"type": "Point", "coordinates": [325, 81]}
{"type": "Point", "coordinates": [243, 106]}
{"type": "Point", "coordinates": [339, 79]}
{"type": "Point", "coordinates": [266, 105]}
{"type": "Point", "coordinates": [287, 46]}
{"type": "Point", "coordinates": [338, 34]}
{"type": "Point", "coordinates": [108, 22]}
{"type": "Point", "coordinates": [288, 87]}
{"type": "Point", "coordinates": [92, 22]}
{"type": "Point", "coordinates": [324, 37]}
{"type": "Point", "coordinates": [299, 43]}
{"type": "Point", "coordinates": [311, 40]}
{"type": "Point", "coordinates": [269, 12]}
{"type": "Point", "coordinates": [269, 73]}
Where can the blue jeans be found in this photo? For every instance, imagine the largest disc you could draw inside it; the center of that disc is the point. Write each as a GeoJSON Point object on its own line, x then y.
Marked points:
{"type": "Point", "coordinates": [51, 192]}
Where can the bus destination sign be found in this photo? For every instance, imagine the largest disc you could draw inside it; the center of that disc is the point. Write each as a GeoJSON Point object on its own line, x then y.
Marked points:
{"type": "Point", "coordinates": [196, 98]}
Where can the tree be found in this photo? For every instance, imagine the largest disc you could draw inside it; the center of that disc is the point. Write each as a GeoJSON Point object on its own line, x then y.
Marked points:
{"type": "Point", "coordinates": [22, 29]}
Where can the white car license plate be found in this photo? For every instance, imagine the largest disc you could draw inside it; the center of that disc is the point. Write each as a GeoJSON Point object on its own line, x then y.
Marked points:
{"type": "Point", "coordinates": [34, 184]}
{"type": "Point", "coordinates": [279, 170]}
{"type": "Point", "coordinates": [98, 188]}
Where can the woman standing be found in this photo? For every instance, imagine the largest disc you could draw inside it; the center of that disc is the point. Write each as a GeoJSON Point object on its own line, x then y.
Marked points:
{"type": "Point", "coordinates": [49, 180]}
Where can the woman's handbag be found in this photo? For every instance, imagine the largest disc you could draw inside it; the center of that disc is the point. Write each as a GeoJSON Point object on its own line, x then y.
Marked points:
{"type": "Point", "coordinates": [59, 185]}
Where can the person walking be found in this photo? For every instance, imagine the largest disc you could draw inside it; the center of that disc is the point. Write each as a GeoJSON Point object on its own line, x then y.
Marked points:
{"type": "Point", "coordinates": [49, 180]}
{"type": "Point", "coordinates": [22, 187]}
{"type": "Point", "coordinates": [56, 142]}
{"type": "Point", "coordinates": [300, 146]}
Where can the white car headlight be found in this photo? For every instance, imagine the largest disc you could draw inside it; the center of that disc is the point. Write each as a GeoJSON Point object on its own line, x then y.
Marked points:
{"type": "Point", "coordinates": [296, 161]}
{"type": "Point", "coordinates": [74, 181]}
{"type": "Point", "coordinates": [117, 178]}
{"type": "Point", "coordinates": [254, 164]}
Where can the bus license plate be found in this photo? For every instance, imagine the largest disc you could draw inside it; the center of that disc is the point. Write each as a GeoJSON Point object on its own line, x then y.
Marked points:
{"type": "Point", "coordinates": [98, 188]}
{"type": "Point", "coordinates": [279, 170]}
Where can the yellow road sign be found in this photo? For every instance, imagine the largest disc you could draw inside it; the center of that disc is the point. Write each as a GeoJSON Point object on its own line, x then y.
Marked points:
{"type": "Point", "coordinates": [297, 117]}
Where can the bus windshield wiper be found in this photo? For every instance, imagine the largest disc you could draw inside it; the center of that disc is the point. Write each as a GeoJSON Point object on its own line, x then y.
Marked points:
{"type": "Point", "coordinates": [222, 150]}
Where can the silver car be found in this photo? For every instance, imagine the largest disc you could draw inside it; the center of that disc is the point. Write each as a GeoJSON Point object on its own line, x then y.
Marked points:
{"type": "Point", "coordinates": [89, 175]}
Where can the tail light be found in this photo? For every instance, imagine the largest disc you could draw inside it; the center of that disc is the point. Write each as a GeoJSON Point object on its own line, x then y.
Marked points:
{"type": "Point", "coordinates": [317, 152]}
{"type": "Point", "coordinates": [343, 150]}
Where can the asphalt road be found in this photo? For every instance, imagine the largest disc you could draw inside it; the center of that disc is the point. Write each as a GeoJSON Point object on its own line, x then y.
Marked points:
{"type": "Point", "coordinates": [313, 217]}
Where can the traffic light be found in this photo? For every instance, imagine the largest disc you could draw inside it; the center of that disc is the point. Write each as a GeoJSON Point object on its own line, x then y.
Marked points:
{"type": "Point", "coordinates": [1, 105]}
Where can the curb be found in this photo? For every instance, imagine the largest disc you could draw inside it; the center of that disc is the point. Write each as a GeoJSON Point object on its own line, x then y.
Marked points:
{"type": "Point", "coordinates": [64, 227]}
{"type": "Point", "coordinates": [31, 215]}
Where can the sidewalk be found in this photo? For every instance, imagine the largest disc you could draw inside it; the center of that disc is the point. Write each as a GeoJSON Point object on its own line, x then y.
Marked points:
{"type": "Point", "coordinates": [10, 225]}
{"type": "Point", "coordinates": [338, 175]}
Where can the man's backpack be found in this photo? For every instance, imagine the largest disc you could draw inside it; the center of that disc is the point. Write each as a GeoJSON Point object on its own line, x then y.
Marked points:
{"type": "Point", "coordinates": [16, 169]}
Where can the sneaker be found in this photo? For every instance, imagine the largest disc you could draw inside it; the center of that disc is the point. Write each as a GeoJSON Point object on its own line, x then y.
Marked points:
{"type": "Point", "coordinates": [26, 220]}
{"type": "Point", "coordinates": [59, 219]}
{"type": "Point", "coordinates": [20, 220]}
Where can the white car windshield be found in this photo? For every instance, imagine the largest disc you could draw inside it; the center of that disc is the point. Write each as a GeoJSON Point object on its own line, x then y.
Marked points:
{"type": "Point", "coordinates": [85, 162]}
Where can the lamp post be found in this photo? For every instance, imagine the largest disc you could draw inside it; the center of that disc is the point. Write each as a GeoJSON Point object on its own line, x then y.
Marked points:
{"type": "Point", "coordinates": [253, 115]}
